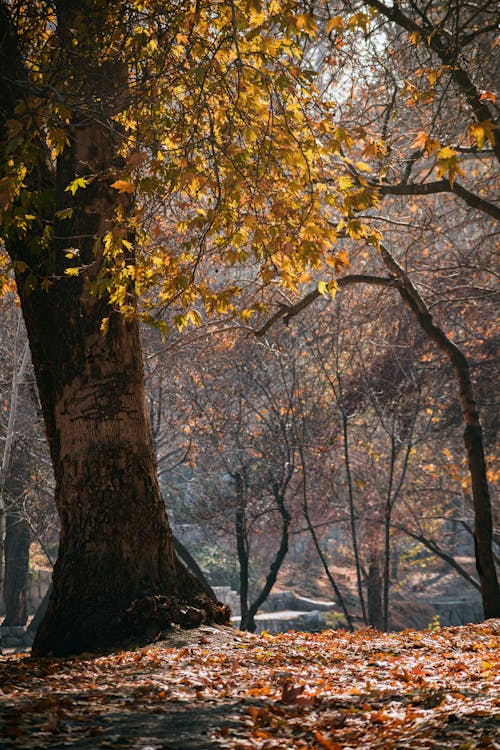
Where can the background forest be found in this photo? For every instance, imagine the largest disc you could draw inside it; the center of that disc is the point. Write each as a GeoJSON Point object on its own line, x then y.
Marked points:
{"type": "Point", "coordinates": [313, 439]}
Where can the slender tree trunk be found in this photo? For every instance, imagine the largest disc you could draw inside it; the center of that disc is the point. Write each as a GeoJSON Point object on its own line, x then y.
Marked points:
{"type": "Point", "coordinates": [241, 545]}
{"type": "Point", "coordinates": [17, 548]}
{"type": "Point", "coordinates": [312, 531]}
{"type": "Point", "coordinates": [248, 623]}
{"type": "Point", "coordinates": [387, 534]}
{"type": "Point", "coordinates": [352, 515]}
{"type": "Point", "coordinates": [19, 369]}
{"type": "Point", "coordinates": [473, 437]}
{"type": "Point", "coordinates": [387, 564]}
{"type": "Point", "coordinates": [17, 538]}
{"type": "Point", "coordinates": [376, 615]}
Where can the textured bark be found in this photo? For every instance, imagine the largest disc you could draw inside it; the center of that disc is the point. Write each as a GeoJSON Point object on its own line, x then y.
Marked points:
{"type": "Point", "coordinates": [116, 553]}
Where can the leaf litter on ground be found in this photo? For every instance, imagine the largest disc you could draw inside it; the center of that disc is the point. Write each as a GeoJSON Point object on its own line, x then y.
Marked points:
{"type": "Point", "coordinates": [220, 688]}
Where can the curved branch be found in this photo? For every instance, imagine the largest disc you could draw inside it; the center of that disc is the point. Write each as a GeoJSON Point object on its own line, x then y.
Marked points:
{"type": "Point", "coordinates": [290, 311]}
{"type": "Point", "coordinates": [436, 550]}
{"type": "Point", "coordinates": [442, 186]}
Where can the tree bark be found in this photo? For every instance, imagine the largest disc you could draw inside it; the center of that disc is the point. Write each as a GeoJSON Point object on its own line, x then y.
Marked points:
{"type": "Point", "coordinates": [117, 575]}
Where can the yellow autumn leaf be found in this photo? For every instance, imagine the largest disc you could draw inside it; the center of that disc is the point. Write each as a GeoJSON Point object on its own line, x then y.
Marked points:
{"type": "Point", "coordinates": [421, 140]}
{"type": "Point", "coordinates": [322, 287]}
{"type": "Point", "coordinates": [359, 19]}
{"type": "Point", "coordinates": [448, 163]}
{"type": "Point", "coordinates": [123, 186]}
{"type": "Point", "coordinates": [447, 152]}
{"type": "Point", "coordinates": [481, 131]}
{"type": "Point", "coordinates": [337, 23]}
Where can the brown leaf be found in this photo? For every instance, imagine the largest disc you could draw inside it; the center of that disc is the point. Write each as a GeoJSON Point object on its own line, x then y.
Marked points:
{"type": "Point", "coordinates": [291, 692]}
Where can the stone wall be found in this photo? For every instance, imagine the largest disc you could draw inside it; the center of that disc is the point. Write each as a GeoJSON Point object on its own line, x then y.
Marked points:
{"type": "Point", "coordinates": [15, 638]}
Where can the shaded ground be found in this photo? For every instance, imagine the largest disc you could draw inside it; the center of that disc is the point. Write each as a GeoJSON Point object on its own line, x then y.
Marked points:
{"type": "Point", "coordinates": [217, 688]}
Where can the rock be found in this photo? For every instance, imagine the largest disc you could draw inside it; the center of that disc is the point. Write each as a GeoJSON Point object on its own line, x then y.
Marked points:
{"type": "Point", "coordinates": [312, 621]}
{"type": "Point", "coordinates": [458, 611]}
{"type": "Point", "coordinates": [289, 600]}
{"type": "Point", "coordinates": [29, 637]}
{"type": "Point", "coordinates": [11, 642]}
{"type": "Point", "coordinates": [285, 620]}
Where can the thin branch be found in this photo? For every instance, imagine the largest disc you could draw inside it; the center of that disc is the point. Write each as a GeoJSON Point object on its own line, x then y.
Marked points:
{"type": "Point", "coordinates": [287, 312]}
{"type": "Point", "coordinates": [436, 550]}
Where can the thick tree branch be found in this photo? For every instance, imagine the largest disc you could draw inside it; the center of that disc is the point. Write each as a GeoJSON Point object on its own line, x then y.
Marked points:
{"type": "Point", "coordinates": [442, 186]}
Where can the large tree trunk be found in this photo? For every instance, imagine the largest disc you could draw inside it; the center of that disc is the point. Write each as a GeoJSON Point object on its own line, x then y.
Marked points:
{"type": "Point", "coordinates": [116, 549]}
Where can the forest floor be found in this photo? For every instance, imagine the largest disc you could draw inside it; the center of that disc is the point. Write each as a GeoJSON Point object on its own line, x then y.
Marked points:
{"type": "Point", "coordinates": [219, 688]}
